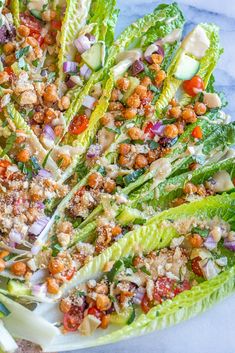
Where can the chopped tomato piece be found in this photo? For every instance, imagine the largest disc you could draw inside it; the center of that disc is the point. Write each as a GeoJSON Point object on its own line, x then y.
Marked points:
{"type": "Point", "coordinates": [95, 312]}
{"type": "Point", "coordinates": [196, 266]}
{"type": "Point", "coordinates": [156, 296]}
{"type": "Point", "coordinates": [56, 24]}
{"type": "Point", "coordinates": [70, 274]}
{"type": "Point", "coordinates": [39, 38]}
{"type": "Point", "coordinates": [72, 320]}
{"type": "Point", "coordinates": [147, 129]}
{"type": "Point", "coordinates": [9, 71]}
{"type": "Point", "coordinates": [182, 287]}
{"type": "Point", "coordinates": [4, 164]}
{"type": "Point", "coordinates": [197, 132]}
{"type": "Point", "coordinates": [78, 124]}
{"type": "Point", "coordinates": [165, 287]}
{"type": "Point", "coordinates": [194, 86]}
{"type": "Point", "coordinates": [145, 304]}
{"type": "Point", "coordinates": [31, 22]}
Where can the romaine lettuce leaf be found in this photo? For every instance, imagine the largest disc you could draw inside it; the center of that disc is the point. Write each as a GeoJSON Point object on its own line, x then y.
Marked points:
{"type": "Point", "coordinates": [15, 8]}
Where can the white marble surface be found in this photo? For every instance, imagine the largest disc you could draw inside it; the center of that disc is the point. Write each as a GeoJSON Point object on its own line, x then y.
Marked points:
{"type": "Point", "coordinates": [213, 331]}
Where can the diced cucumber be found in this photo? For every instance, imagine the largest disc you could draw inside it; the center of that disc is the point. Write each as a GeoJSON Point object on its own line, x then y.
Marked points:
{"type": "Point", "coordinates": [129, 216]}
{"type": "Point", "coordinates": [186, 68]}
{"type": "Point", "coordinates": [130, 178]}
{"type": "Point", "coordinates": [17, 288]}
{"type": "Point", "coordinates": [94, 57]}
{"type": "Point", "coordinates": [36, 13]}
{"type": "Point", "coordinates": [122, 317]}
{"type": "Point", "coordinates": [134, 82]}
{"type": "Point", "coordinates": [3, 310]}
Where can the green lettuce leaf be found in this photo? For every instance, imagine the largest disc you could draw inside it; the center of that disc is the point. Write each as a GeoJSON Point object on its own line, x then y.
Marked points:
{"type": "Point", "coordinates": [15, 8]}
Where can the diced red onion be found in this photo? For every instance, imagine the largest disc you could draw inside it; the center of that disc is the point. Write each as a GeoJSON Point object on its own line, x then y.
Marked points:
{"type": "Point", "coordinates": [153, 49]}
{"type": "Point", "coordinates": [89, 102]}
{"type": "Point", "coordinates": [39, 290]}
{"type": "Point", "coordinates": [229, 244]}
{"type": "Point", "coordinates": [82, 44]}
{"type": "Point", "coordinates": [91, 38]}
{"type": "Point", "coordinates": [49, 132]}
{"type": "Point", "coordinates": [43, 173]}
{"type": "Point", "coordinates": [70, 83]}
{"type": "Point", "coordinates": [210, 243]}
{"type": "Point", "coordinates": [76, 79]}
{"type": "Point", "coordinates": [158, 128]}
{"type": "Point", "coordinates": [37, 227]}
{"type": "Point", "coordinates": [85, 71]}
{"type": "Point", "coordinates": [137, 67]}
{"type": "Point", "coordinates": [40, 205]}
{"type": "Point", "coordinates": [88, 112]}
{"type": "Point", "coordinates": [139, 294]}
{"type": "Point", "coordinates": [93, 151]}
{"type": "Point", "coordinates": [15, 236]}
{"type": "Point", "coordinates": [70, 66]}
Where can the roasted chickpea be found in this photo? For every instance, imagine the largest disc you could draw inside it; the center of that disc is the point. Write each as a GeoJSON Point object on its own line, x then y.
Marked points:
{"type": "Point", "coordinates": [141, 161]}
{"type": "Point", "coordinates": [146, 81]}
{"type": "Point", "coordinates": [155, 67]}
{"type": "Point", "coordinates": [141, 91]}
{"type": "Point", "coordinates": [31, 41]}
{"type": "Point", "coordinates": [106, 119]}
{"type": "Point", "coordinates": [124, 149]}
{"type": "Point", "coordinates": [189, 116]}
{"type": "Point", "coordinates": [3, 254]}
{"type": "Point", "coordinates": [109, 186]}
{"type": "Point", "coordinates": [36, 129]}
{"type": "Point", "coordinates": [196, 240]}
{"type": "Point", "coordinates": [115, 94]}
{"type": "Point", "coordinates": [58, 130]}
{"type": "Point", "coordinates": [116, 230]}
{"type": "Point", "coordinates": [48, 15]}
{"type": "Point", "coordinates": [49, 39]}
{"type": "Point", "coordinates": [105, 321]}
{"type": "Point", "coordinates": [23, 156]}
{"type": "Point", "coordinates": [201, 190]}
{"type": "Point", "coordinates": [50, 115]}
{"type": "Point", "coordinates": [190, 188]}
{"type": "Point", "coordinates": [65, 305]}
{"type": "Point", "coordinates": [129, 113]}
{"type": "Point", "coordinates": [160, 77]}
{"type": "Point", "coordinates": [64, 103]}
{"type": "Point", "coordinates": [10, 59]}
{"type": "Point", "coordinates": [2, 265]}
{"type": "Point", "coordinates": [180, 126]}
{"type": "Point", "coordinates": [103, 302]}
{"type": "Point", "coordinates": [4, 77]}
{"type": "Point", "coordinates": [175, 112]}
{"type": "Point", "coordinates": [9, 48]}
{"type": "Point", "coordinates": [152, 156]}
{"type": "Point", "coordinates": [23, 31]}
{"type": "Point", "coordinates": [55, 266]}
{"type": "Point", "coordinates": [50, 94]}
{"type": "Point", "coordinates": [38, 117]}
{"type": "Point", "coordinates": [123, 161]}
{"type": "Point", "coordinates": [95, 181]}
{"type": "Point", "coordinates": [135, 133]}
{"type": "Point", "coordinates": [171, 131]}
{"type": "Point", "coordinates": [52, 67]}
{"type": "Point", "coordinates": [173, 102]}
{"type": "Point", "coordinates": [157, 58]}
{"type": "Point", "coordinates": [113, 106]}
{"type": "Point", "coordinates": [133, 101]}
{"type": "Point", "coordinates": [200, 108]}
{"type": "Point", "coordinates": [52, 286]}
{"type": "Point", "coordinates": [19, 268]}
{"type": "Point", "coordinates": [123, 83]}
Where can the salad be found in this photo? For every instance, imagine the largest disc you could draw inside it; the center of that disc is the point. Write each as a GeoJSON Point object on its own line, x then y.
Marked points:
{"type": "Point", "coordinates": [117, 174]}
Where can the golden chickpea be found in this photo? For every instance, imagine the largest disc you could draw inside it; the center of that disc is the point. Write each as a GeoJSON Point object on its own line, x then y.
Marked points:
{"type": "Point", "coordinates": [102, 288]}
{"type": "Point", "coordinates": [196, 240]}
{"type": "Point", "coordinates": [200, 108]}
{"type": "Point", "coordinates": [106, 119]}
{"type": "Point", "coordinates": [19, 268]}
{"type": "Point", "coordinates": [189, 116]}
{"type": "Point", "coordinates": [64, 103]}
{"type": "Point", "coordinates": [201, 190]}
{"type": "Point", "coordinates": [3, 254]}
{"type": "Point", "coordinates": [155, 67]}
{"type": "Point", "coordinates": [114, 106]}
{"type": "Point", "coordinates": [103, 302]}
{"type": "Point", "coordinates": [173, 102]}
{"type": "Point", "coordinates": [133, 101]}
{"type": "Point", "coordinates": [4, 77]}
{"type": "Point", "coordinates": [9, 48]}
{"type": "Point", "coordinates": [129, 113]}
{"type": "Point", "coordinates": [190, 188]}
{"type": "Point", "coordinates": [152, 156]}
{"type": "Point", "coordinates": [109, 186]}
{"type": "Point", "coordinates": [105, 321]}
{"type": "Point", "coordinates": [65, 160]}
{"type": "Point", "coordinates": [48, 15]}
{"type": "Point", "coordinates": [116, 230]}
{"type": "Point", "coordinates": [141, 91]}
{"type": "Point", "coordinates": [52, 67]}
{"type": "Point", "coordinates": [175, 112]}
{"type": "Point", "coordinates": [171, 131]}
{"type": "Point", "coordinates": [31, 41]}
{"type": "Point", "coordinates": [38, 117]}
{"type": "Point", "coordinates": [141, 161]}
{"type": "Point", "coordinates": [23, 156]}
{"type": "Point", "coordinates": [55, 266]}
{"type": "Point", "coordinates": [2, 265]}
{"type": "Point", "coordinates": [58, 130]}
{"type": "Point", "coordinates": [160, 77]}
{"type": "Point", "coordinates": [37, 52]}
{"type": "Point", "coordinates": [65, 227]}
{"type": "Point", "coordinates": [23, 31]}
{"type": "Point", "coordinates": [10, 59]}
{"type": "Point", "coordinates": [123, 83]}
{"type": "Point", "coordinates": [36, 129]}
{"type": "Point", "coordinates": [65, 305]}
{"type": "Point", "coordinates": [123, 161]}
{"type": "Point", "coordinates": [146, 81]}
{"type": "Point", "coordinates": [50, 94]}
{"type": "Point", "coordinates": [157, 58]}
{"type": "Point", "coordinates": [115, 94]}
{"type": "Point", "coordinates": [135, 133]}
{"type": "Point", "coordinates": [49, 40]}
{"type": "Point", "coordinates": [52, 286]}
{"type": "Point", "coordinates": [180, 126]}
{"type": "Point", "coordinates": [95, 181]}
{"type": "Point", "coordinates": [124, 149]}
{"type": "Point", "coordinates": [50, 115]}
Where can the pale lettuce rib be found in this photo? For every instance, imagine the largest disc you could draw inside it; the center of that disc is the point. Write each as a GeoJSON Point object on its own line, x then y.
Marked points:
{"type": "Point", "coordinates": [15, 8]}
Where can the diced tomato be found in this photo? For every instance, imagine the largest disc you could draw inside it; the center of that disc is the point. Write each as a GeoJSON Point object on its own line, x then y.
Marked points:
{"type": "Point", "coordinates": [9, 71]}
{"type": "Point", "coordinates": [194, 86]}
{"type": "Point", "coordinates": [197, 132]}
{"type": "Point", "coordinates": [78, 124]}
{"type": "Point", "coordinates": [147, 130]}
{"type": "Point", "coordinates": [95, 312]}
{"type": "Point", "coordinates": [182, 287]}
{"type": "Point", "coordinates": [145, 304]}
{"type": "Point", "coordinates": [70, 274]}
{"type": "Point", "coordinates": [156, 296]}
{"type": "Point", "coordinates": [81, 191]}
{"type": "Point", "coordinates": [31, 22]}
{"type": "Point", "coordinates": [56, 24]}
{"type": "Point", "coordinates": [39, 38]}
{"type": "Point", "coordinates": [73, 319]}
{"type": "Point", "coordinates": [165, 287]}
{"type": "Point", "coordinates": [4, 164]}
{"type": "Point", "coordinates": [196, 266]}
